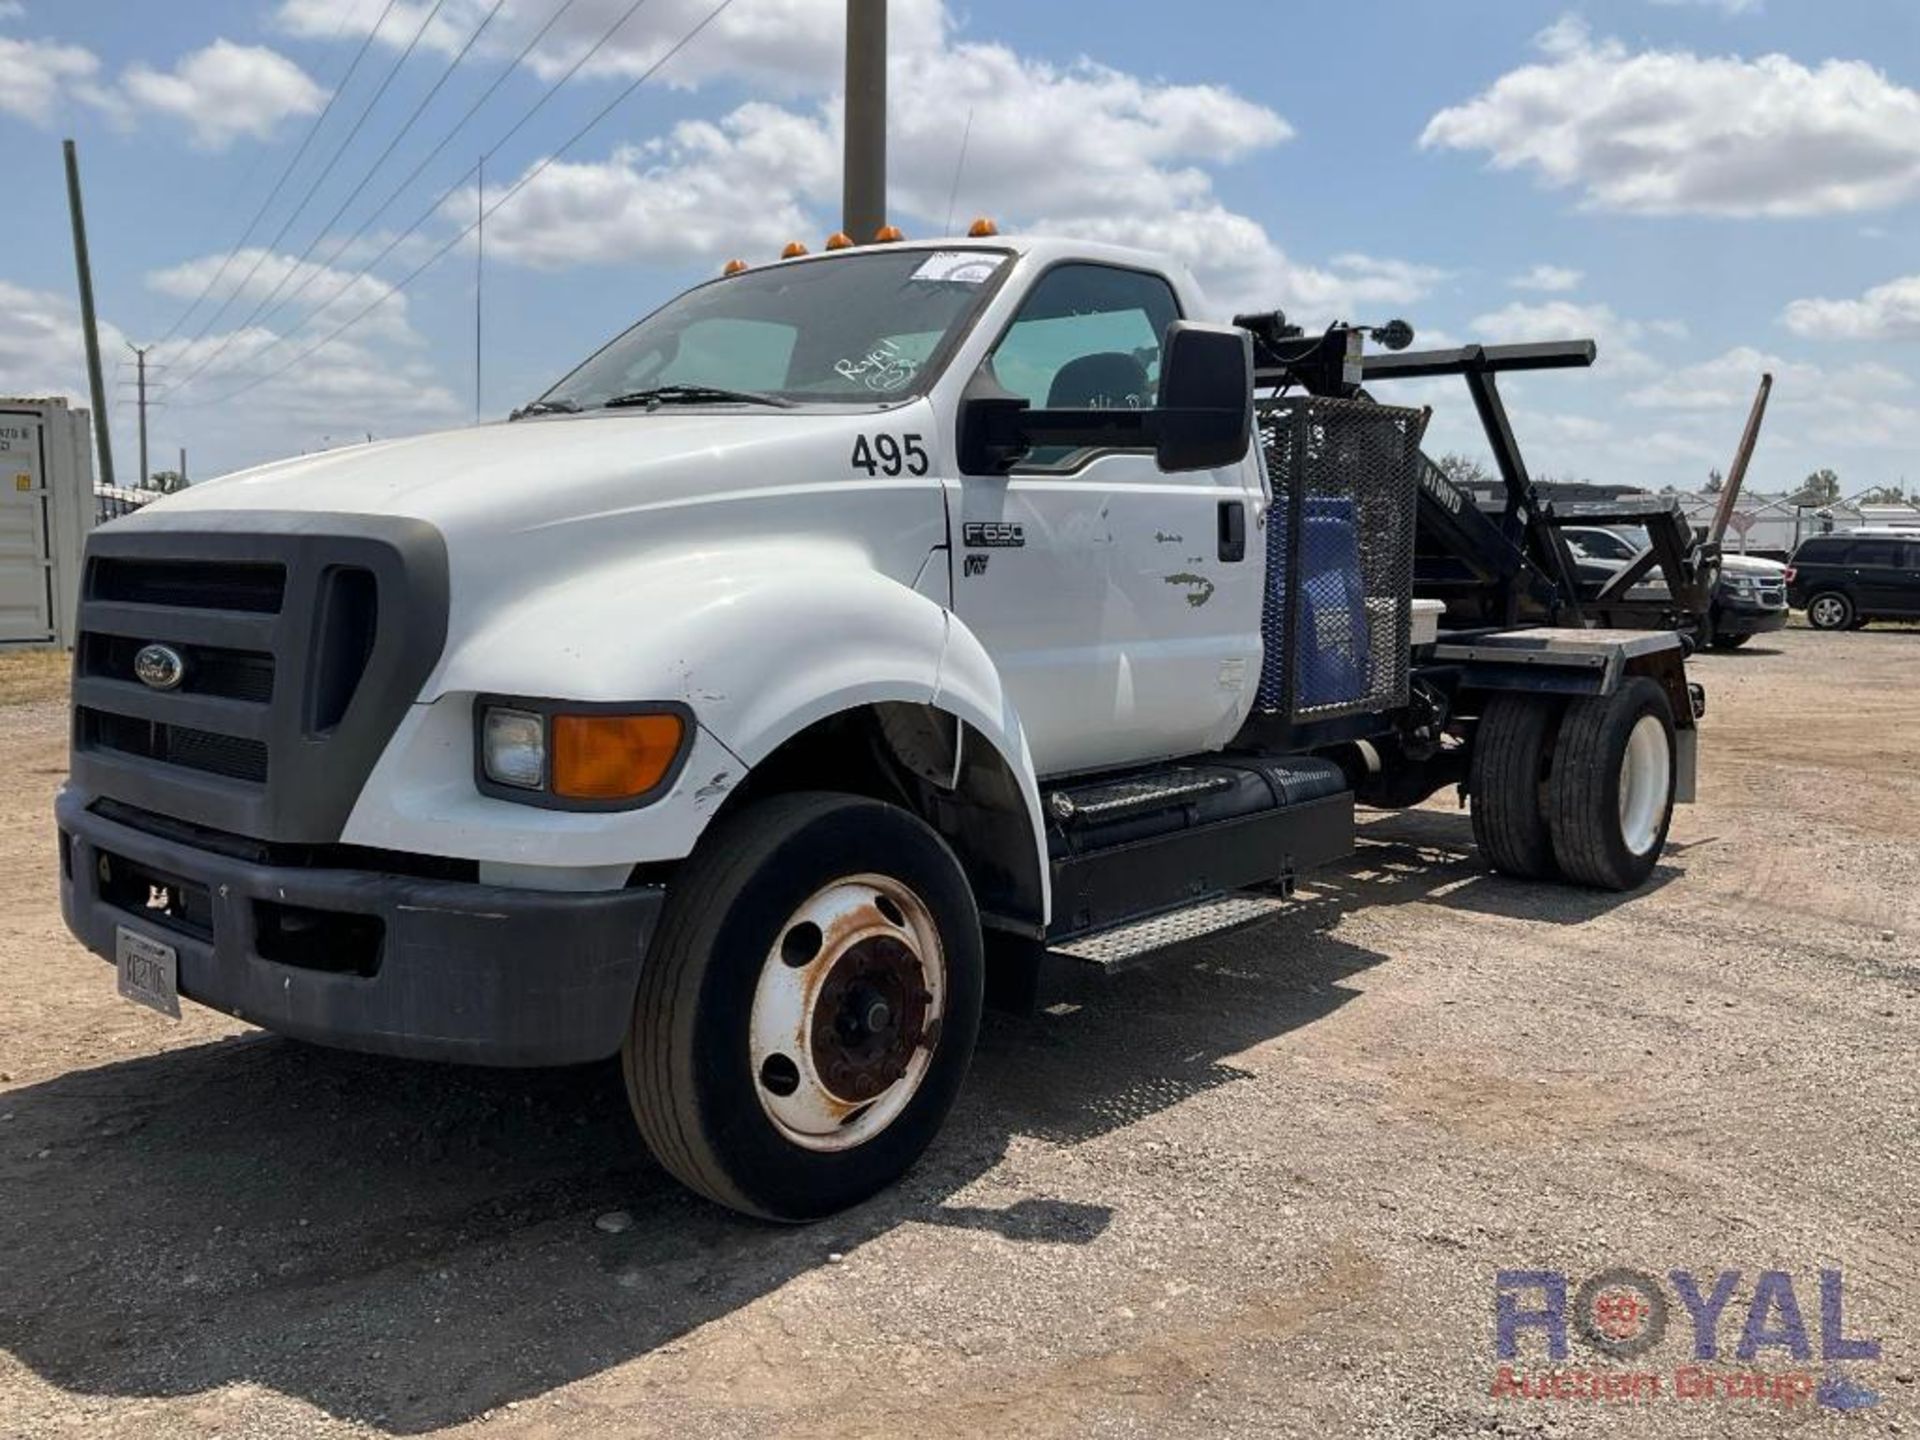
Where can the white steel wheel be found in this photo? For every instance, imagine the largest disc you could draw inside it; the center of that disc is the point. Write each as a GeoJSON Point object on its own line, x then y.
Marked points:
{"type": "Point", "coordinates": [808, 1005]}
{"type": "Point", "coordinates": [847, 1013]}
{"type": "Point", "coordinates": [1646, 780]}
{"type": "Point", "coordinates": [1610, 789]}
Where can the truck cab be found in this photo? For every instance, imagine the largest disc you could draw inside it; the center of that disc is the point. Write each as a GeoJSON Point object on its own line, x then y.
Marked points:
{"type": "Point", "coordinates": [843, 616]}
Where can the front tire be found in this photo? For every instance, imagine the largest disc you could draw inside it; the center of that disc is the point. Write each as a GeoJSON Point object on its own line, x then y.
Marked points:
{"type": "Point", "coordinates": [808, 1008]}
{"type": "Point", "coordinates": [1610, 794]}
{"type": "Point", "coordinates": [1830, 610]}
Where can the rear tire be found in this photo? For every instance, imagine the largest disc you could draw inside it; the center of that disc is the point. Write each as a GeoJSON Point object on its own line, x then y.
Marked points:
{"type": "Point", "coordinates": [1830, 610]}
{"type": "Point", "coordinates": [1512, 751]}
{"type": "Point", "coordinates": [808, 1007]}
{"type": "Point", "coordinates": [1610, 793]}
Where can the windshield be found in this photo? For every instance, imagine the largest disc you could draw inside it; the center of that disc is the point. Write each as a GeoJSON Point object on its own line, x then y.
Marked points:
{"type": "Point", "coordinates": [864, 329]}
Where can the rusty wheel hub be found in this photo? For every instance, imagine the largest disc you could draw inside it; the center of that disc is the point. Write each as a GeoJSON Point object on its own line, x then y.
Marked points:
{"type": "Point", "coordinates": [869, 1018]}
{"type": "Point", "coordinates": [847, 1012]}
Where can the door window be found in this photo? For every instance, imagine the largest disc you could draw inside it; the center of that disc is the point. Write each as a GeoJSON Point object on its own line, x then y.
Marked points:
{"type": "Point", "coordinates": [1875, 552]}
{"type": "Point", "coordinates": [1087, 337]}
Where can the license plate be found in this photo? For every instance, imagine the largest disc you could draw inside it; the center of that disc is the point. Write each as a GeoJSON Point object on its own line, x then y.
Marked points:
{"type": "Point", "coordinates": [149, 971]}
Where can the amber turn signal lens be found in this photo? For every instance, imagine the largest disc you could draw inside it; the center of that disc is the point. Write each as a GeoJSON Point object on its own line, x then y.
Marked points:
{"type": "Point", "coordinates": [734, 267]}
{"type": "Point", "coordinates": [613, 757]}
{"type": "Point", "coordinates": [839, 240]}
{"type": "Point", "coordinates": [982, 228]}
{"type": "Point", "coordinates": [888, 234]}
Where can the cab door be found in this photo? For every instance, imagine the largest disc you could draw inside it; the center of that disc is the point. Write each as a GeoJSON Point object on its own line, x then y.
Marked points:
{"type": "Point", "coordinates": [1121, 603]}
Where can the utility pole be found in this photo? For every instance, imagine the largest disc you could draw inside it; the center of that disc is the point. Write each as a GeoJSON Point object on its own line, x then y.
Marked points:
{"type": "Point", "coordinates": [479, 273]}
{"type": "Point", "coordinates": [140, 362]}
{"type": "Point", "coordinates": [183, 467]}
{"type": "Point", "coordinates": [91, 331]}
{"type": "Point", "coordinates": [864, 181]}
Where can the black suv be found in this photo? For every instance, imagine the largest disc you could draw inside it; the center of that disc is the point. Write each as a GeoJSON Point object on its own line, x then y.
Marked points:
{"type": "Point", "coordinates": [1843, 581]}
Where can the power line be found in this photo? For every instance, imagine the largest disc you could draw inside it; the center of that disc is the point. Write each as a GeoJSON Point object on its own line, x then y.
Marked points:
{"type": "Point", "coordinates": [432, 155]}
{"type": "Point", "coordinates": [515, 189]}
{"type": "Point", "coordinates": [373, 169]}
{"type": "Point", "coordinates": [338, 90]}
{"type": "Point", "coordinates": [440, 200]}
{"type": "Point", "coordinates": [273, 246]}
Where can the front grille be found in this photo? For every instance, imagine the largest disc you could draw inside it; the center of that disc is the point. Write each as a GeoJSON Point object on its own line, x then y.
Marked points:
{"type": "Point", "coordinates": [210, 669]}
{"type": "Point", "coordinates": [1337, 625]}
{"type": "Point", "coordinates": [195, 584]}
{"type": "Point", "coordinates": [301, 652]}
{"type": "Point", "coordinates": [230, 756]}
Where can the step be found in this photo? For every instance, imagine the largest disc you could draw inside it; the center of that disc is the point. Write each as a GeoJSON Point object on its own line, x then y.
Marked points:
{"type": "Point", "coordinates": [1110, 799]}
{"type": "Point", "coordinates": [1124, 945]}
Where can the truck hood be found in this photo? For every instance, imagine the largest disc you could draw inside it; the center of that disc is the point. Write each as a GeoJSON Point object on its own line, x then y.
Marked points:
{"type": "Point", "coordinates": [615, 500]}
{"type": "Point", "coordinates": [537, 472]}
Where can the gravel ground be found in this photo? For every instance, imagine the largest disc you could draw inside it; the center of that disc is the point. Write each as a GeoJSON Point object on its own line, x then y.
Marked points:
{"type": "Point", "coordinates": [1260, 1187]}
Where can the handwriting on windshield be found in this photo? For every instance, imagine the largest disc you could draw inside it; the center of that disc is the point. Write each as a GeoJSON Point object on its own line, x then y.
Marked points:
{"type": "Point", "coordinates": [882, 368]}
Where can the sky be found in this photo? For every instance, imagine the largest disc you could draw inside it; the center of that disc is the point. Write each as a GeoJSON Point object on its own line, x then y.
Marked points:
{"type": "Point", "coordinates": [280, 195]}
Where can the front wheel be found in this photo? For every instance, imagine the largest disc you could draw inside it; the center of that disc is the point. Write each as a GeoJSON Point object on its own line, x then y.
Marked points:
{"type": "Point", "coordinates": [808, 1008]}
{"type": "Point", "coordinates": [1830, 610]}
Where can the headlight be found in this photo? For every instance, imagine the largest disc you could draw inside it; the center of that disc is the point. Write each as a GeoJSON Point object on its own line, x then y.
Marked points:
{"type": "Point", "coordinates": [579, 756]}
{"type": "Point", "coordinates": [513, 748]}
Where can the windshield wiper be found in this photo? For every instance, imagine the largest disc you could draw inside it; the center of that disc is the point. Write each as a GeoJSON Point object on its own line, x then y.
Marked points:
{"type": "Point", "coordinates": [694, 395]}
{"type": "Point", "coordinates": [545, 407]}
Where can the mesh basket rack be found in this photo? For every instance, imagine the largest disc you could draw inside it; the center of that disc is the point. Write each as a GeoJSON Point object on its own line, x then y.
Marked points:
{"type": "Point", "coordinates": [1337, 622]}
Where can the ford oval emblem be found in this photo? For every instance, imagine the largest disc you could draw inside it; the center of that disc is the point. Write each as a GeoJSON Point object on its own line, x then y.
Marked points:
{"type": "Point", "coordinates": [160, 667]}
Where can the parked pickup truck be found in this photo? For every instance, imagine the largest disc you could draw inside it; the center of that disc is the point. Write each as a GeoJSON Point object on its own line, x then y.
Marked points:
{"type": "Point", "coordinates": [844, 615]}
{"type": "Point", "coordinates": [1749, 593]}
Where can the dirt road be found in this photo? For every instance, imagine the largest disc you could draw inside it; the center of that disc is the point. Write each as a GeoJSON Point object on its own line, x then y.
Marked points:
{"type": "Point", "coordinates": [1261, 1187]}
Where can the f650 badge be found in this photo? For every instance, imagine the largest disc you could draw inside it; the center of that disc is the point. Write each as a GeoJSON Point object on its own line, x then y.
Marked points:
{"type": "Point", "coordinates": [993, 534]}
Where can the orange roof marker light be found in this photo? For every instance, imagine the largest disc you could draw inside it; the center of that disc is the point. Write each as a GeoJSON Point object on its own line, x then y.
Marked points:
{"type": "Point", "coordinates": [734, 267]}
{"type": "Point", "coordinates": [887, 234]}
{"type": "Point", "coordinates": [793, 251]}
{"type": "Point", "coordinates": [839, 240]}
{"type": "Point", "coordinates": [982, 228]}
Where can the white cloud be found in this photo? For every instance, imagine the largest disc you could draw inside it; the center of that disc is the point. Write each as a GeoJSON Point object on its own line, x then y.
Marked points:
{"type": "Point", "coordinates": [1886, 312]}
{"type": "Point", "coordinates": [735, 187]}
{"type": "Point", "coordinates": [1549, 278]}
{"type": "Point", "coordinates": [41, 351]}
{"type": "Point", "coordinates": [1668, 132]}
{"type": "Point", "coordinates": [330, 296]}
{"type": "Point", "coordinates": [777, 46]}
{"type": "Point", "coordinates": [1081, 149]}
{"type": "Point", "coordinates": [227, 91]}
{"type": "Point", "coordinates": [1241, 268]}
{"type": "Point", "coordinates": [12, 10]}
{"type": "Point", "coordinates": [35, 75]}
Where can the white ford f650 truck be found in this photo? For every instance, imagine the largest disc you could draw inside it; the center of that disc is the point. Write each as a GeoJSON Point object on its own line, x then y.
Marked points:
{"type": "Point", "coordinates": [852, 633]}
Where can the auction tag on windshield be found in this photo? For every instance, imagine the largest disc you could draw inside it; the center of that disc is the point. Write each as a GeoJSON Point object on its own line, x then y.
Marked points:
{"type": "Point", "coordinates": [959, 267]}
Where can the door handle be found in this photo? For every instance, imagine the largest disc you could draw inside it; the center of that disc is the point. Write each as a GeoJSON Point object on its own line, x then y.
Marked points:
{"type": "Point", "coordinates": [1233, 530]}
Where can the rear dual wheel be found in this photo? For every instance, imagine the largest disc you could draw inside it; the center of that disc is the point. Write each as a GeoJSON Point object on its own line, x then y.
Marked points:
{"type": "Point", "coordinates": [1583, 790]}
{"type": "Point", "coordinates": [808, 1007]}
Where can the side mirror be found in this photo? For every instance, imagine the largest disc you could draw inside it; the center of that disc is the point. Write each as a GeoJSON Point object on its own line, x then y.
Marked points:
{"type": "Point", "coordinates": [1205, 412]}
{"type": "Point", "coordinates": [1204, 418]}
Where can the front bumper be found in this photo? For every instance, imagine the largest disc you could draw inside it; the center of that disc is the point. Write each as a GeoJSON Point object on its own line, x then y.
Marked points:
{"type": "Point", "coordinates": [1737, 616]}
{"type": "Point", "coordinates": [436, 969]}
